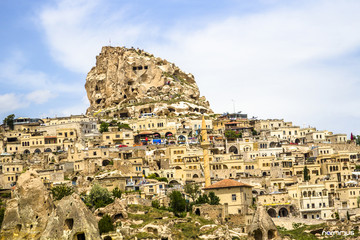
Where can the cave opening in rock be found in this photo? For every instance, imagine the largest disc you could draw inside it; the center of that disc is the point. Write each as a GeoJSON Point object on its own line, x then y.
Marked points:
{"type": "Point", "coordinates": [118, 216]}
{"type": "Point", "coordinates": [79, 236]}
{"type": "Point", "coordinates": [69, 223]}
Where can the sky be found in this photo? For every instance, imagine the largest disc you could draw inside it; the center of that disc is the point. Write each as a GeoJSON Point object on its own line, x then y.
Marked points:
{"type": "Point", "coordinates": [292, 60]}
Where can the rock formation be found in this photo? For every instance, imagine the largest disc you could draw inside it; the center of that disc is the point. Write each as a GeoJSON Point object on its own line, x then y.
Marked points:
{"type": "Point", "coordinates": [129, 82]}
{"type": "Point", "coordinates": [27, 213]}
{"type": "Point", "coordinates": [262, 226]}
{"type": "Point", "coordinates": [71, 220]}
{"type": "Point", "coordinates": [116, 210]}
{"type": "Point", "coordinates": [31, 214]}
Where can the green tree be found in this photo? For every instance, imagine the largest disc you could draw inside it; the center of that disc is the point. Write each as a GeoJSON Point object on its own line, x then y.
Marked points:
{"type": "Point", "coordinates": [104, 127]}
{"type": "Point", "coordinates": [306, 174]}
{"type": "Point", "coordinates": [357, 139]}
{"type": "Point", "coordinates": [116, 192]}
{"type": "Point", "coordinates": [155, 204]}
{"type": "Point", "coordinates": [123, 126]}
{"type": "Point", "coordinates": [214, 200]}
{"type": "Point", "coordinates": [202, 199]}
{"type": "Point", "coordinates": [193, 190]}
{"type": "Point", "coordinates": [230, 134]}
{"type": "Point", "coordinates": [254, 132]}
{"type": "Point", "coordinates": [160, 179]}
{"type": "Point", "coordinates": [177, 203]}
{"type": "Point", "coordinates": [61, 191]}
{"type": "Point", "coordinates": [358, 201]}
{"type": "Point", "coordinates": [9, 121]}
{"type": "Point", "coordinates": [105, 224]}
{"type": "Point", "coordinates": [99, 197]}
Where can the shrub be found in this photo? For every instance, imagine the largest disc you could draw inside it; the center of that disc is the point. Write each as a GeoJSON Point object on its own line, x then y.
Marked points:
{"type": "Point", "coordinates": [105, 224]}
{"type": "Point", "coordinates": [61, 191]}
{"type": "Point", "coordinates": [104, 127]}
{"type": "Point", "coordinates": [177, 202]}
{"type": "Point", "coordinates": [214, 200]}
{"type": "Point", "coordinates": [116, 192]}
{"type": "Point", "coordinates": [99, 197]}
{"type": "Point", "coordinates": [155, 204]}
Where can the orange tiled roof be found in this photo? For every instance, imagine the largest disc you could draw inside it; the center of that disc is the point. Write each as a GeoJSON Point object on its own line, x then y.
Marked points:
{"type": "Point", "coordinates": [227, 183]}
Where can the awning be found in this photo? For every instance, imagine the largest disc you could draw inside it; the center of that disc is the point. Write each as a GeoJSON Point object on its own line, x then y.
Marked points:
{"type": "Point", "coordinates": [146, 133]}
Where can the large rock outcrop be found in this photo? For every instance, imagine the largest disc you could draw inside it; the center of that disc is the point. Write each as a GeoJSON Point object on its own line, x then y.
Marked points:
{"type": "Point", "coordinates": [32, 214]}
{"type": "Point", "coordinates": [129, 82]}
{"type": "Point", "coordinates": [71, 220]}
{"type": "Point", "coordinates": [27, 213]}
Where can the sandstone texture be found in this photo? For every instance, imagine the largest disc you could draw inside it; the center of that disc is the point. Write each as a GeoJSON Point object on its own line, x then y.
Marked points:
{"type": "Point", "coordinates": [262, 226]}
{"type": "Point", "coordinates": [32, 214]}
{"type": "Point", "coordinates": [116, 210]}
{"type": "Point", "coordinates": [71, 220]}
{"type": "Point", "coordinates": [128, 82]}
{"type": "Point", "coordinates": [27, 213]}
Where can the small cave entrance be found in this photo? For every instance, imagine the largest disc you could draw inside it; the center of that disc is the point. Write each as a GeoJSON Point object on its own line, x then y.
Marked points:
{"type": "Point", "coordinates": [69, 223]}
{"type": "Point", "coordinates": [271, 234]}
{"type": "Point", "coordinates": [258, 234]}
{"type": "Point", "coordinates": [118, 216]}
{"type": "Point", "coordinates": [18, 227]}
{"type": "Point", "coordinates": [171, 110]}
{"type": "Point", "coordinates": [79, 236]}
{"type": "Point", "coordinates": [124, 115]}
{"type": "Point", "coordinates": [105, 162]}
{"type": "Point", "coordinates": [197, 211]}
{"type": "Point", "coordinates": [107, 238]}
{"type": "Point", "coordinates": [98, 101]}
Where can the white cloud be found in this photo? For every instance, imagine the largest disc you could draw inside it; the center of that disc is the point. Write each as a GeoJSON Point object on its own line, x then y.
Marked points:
{"type": "Point", "coordinates": [10, 102]}
{"type": "Point", "coordinates": [40, 96]}
{"type": "Point", "coordinates": [293, 61]}
{"type": "Point", "coordinates": [76, 31]}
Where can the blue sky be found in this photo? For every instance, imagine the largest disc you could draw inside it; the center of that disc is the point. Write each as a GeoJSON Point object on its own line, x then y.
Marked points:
{"type": "Point", "coordinates": [297, 60]}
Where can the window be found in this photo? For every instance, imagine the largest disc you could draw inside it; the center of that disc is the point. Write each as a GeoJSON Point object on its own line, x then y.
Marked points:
{"type": "Point", "coordinates": [233, 197]}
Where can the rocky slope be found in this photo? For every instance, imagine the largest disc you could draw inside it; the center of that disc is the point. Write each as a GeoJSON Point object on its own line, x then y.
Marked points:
{"type": "Point", "coordinates": [129, 82]}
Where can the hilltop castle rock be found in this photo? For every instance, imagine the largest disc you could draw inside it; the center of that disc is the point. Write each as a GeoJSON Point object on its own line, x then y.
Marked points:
{"type": "Point", "coordinates": [129, 82]}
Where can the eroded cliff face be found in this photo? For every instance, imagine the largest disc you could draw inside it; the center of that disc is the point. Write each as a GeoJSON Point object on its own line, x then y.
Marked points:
{"type": "Point", "coordinates": [129, 82]}
{"type": "Point", "coordinates": [32, 214]}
